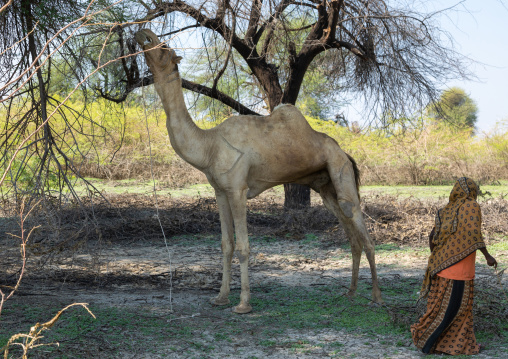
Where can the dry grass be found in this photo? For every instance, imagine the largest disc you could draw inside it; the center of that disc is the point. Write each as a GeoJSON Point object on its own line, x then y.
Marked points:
{"type": "Point", "coordinates": [130, 217]}
{"type": "Point", "coordinates": [409, 221]}
{"type": "Point", "coordinates": [174, 173]}
{"type": "Point", "coordinates": [484, 172]}
{"type": "Point", "coordinates": [403, 221]}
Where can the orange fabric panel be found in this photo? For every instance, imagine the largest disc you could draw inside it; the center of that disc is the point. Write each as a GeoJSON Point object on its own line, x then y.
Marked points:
{"type": "Point", "coordinates": [462, 270]}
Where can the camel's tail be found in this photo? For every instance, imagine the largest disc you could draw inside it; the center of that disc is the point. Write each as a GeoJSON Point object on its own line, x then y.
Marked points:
{"type": "Point", "coordinates": [357, 174]}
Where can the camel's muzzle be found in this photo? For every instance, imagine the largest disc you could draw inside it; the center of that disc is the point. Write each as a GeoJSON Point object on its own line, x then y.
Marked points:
{"type": "Point", "coordinates": [142, 38]}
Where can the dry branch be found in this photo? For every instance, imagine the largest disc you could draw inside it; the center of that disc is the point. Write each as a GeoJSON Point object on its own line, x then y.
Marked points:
{"type": "Point", "coordinates": [23, 253]}
{"type": "Point", "coordinates": [31, 340]}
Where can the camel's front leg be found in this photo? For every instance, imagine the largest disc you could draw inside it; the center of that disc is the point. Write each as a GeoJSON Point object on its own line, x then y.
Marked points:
{"type": "Point", "coordinates": [227, 244]}
{"type": "Point", "coordinates": [238, 202]}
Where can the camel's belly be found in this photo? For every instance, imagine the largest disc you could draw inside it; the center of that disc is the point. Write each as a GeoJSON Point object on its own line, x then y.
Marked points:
{"type": "Point", "coordinates": [259, 184]}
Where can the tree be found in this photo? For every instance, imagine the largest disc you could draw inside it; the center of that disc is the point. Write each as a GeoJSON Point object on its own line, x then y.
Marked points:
{"type": "Point", "coordinates": [32, 32]}
{"type": "Point", "coordinates": [318, 97]}
{"type": "Point", "coordinates": [389, 56]}
{"type": "Point", "coordinates": [41, 62]}
{"type": "Point", "coordinates": [456, 108]}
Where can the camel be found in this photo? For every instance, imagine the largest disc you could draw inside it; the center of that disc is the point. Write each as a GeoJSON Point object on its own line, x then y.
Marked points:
{"type": "Point", "coordinates": [247, 154]}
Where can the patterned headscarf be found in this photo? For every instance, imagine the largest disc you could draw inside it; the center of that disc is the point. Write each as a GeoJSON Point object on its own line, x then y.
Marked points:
{"type": "Point", "coordinates": [457, 231]}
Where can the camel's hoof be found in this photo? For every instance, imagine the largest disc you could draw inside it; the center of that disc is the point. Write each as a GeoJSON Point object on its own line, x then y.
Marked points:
{"type": "Point", "coordinates": [219, 301]}
{"type": "Point", "coordinates": [242, 309]}
{"type": "Point", "coordinates": [377, 298]}
{"type": "Point", "coordinates": [375, 303]}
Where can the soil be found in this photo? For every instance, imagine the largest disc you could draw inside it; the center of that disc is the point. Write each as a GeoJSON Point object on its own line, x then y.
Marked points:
{"type": "Point", "coordinates": [177, 280]}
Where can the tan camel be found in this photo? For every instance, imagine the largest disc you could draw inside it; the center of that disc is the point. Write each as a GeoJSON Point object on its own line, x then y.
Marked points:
{"type": "Point", "coordinates": [245, 155]}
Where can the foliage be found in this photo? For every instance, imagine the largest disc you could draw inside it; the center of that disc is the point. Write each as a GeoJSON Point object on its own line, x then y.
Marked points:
{"type": "Point", "coordinates": [498, 142]}
{"type": "Point", "coordinates": [455, 108]}
{"type": "Point", "coordinates": [320, 93]}
{"type": "Point", "coordinates": [427, 155]}
{"type": "Point", "coordinates": [422, 155]}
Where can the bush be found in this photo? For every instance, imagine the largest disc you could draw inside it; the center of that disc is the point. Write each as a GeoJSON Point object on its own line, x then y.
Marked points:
{"type": "Point", "coordinates": [115, 146]}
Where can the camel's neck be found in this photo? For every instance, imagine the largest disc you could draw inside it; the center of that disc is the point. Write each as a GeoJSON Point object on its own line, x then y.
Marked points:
{"type": "Point", "coordinates": [187, 139]}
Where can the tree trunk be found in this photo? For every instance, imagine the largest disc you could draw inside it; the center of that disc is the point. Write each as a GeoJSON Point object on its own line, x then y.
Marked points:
{"type": "Point", "coordinates": [296, 196]}
{"type": "Point", "coordinates": [32, 47]}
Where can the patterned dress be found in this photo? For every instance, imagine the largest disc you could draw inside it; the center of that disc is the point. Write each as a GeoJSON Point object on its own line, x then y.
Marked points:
{"type": "Point", "coordinates": [447, 325]}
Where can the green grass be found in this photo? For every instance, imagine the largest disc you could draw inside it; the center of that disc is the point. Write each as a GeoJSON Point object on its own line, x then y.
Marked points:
{"type": "Point", "coordinates": [392, 249]}
{"type": "Point", "coordinates": [191, 240]}
{"type": "Point", "coordinates": [264, 239]}
{"type": "Point", "coordinates": [133, 186]}
{"type": "Point", "coordinates": [322, 307]}
{"type": "Point", "coordinates": [277, 310]}
{"type": "Point", "coordinates": [432, 192]}
{"type": "Point", "coordinates": [310, 240]}
{"type": "Point", "coordinates": [500, 245]}
{"type": "Point", "coordinates": [118, 327]}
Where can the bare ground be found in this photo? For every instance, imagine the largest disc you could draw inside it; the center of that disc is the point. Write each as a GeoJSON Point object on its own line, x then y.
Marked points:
{"type": "Point", "coordinates": [132, 268]}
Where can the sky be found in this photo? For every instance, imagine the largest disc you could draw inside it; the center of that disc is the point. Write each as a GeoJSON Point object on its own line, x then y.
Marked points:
{"type": "Point", "coordinates": [480, 29]}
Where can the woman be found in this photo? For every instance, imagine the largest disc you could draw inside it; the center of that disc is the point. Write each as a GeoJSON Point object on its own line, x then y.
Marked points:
{"type": "Point", "coordinates": [447, 326]}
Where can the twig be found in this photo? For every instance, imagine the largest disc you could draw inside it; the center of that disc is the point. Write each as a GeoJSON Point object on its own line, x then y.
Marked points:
{"type": "Point", "coordinates": [31, 339]}
{"type": "Point", "coordinates": [24, 241]}
{"type": "Point", "coordinates": [499, 275]}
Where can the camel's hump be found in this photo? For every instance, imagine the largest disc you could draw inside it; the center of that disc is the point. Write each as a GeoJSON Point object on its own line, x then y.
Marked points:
{"type": "Point", "coordinates": [282, 105]}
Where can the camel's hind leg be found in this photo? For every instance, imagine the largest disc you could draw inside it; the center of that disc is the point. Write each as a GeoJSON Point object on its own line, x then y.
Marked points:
{"type": "Point", "coordinates": [227, 244]}
{"type": "Point", "coordinates": [342, 199]}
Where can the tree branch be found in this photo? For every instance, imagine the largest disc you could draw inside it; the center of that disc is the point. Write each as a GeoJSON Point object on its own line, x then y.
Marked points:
{"type": "Point", "coordinates": [218, 95]}
{"type": "Point", "coordinates": [337, 44]}
{"type": "Point", "coordinates": [271, 26]}
{"type": "Point", "coordinates": [266, 73]}
{"type": "Point", "coordinates": [333, 17]}
{"type": "Point", "coordinates": [317, 41]}
{"type": "Point", "coordinates": [255, 15]}
{"type": "Point", "coordinates": [188, 85]}
{"type": "Point", "coordinates": [4, 7]}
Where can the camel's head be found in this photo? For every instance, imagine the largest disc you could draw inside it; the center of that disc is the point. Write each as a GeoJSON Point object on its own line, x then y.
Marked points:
{"type": "Point", "coordinates": [159, 57]}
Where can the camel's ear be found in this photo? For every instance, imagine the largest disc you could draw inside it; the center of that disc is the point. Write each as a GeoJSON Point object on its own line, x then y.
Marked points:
{"type": "Point", "coordinates": [177, 59]}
